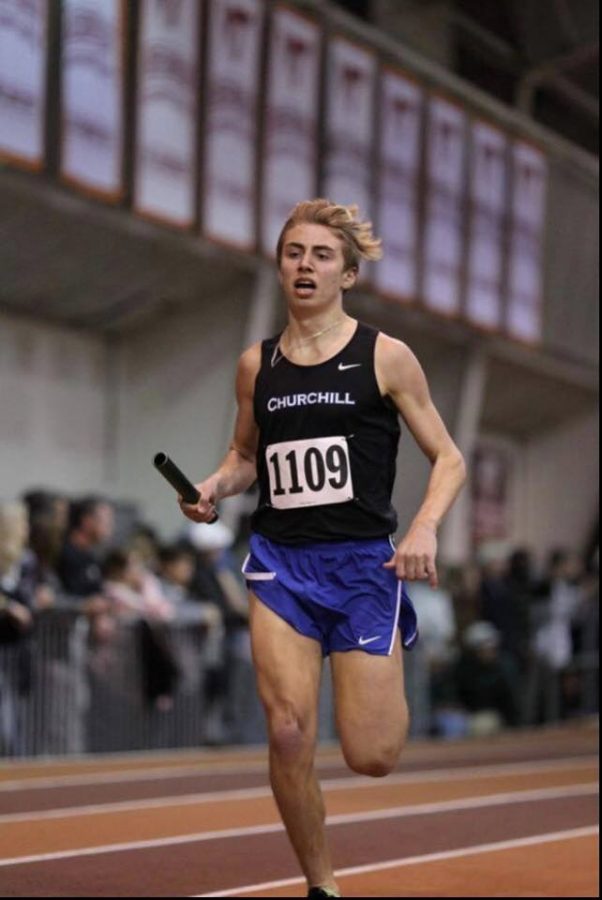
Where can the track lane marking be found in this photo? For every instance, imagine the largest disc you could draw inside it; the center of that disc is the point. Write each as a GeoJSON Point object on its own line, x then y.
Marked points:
{"type": "Point", "coordinates": [328, 784]}
{"type": "Point", "coordinates": [133, 776]}
{"type": "Point", "coordinates": [154, 763]}
{"type": "Point", "coordinates": [341, 819]}
{"type": "Point", "coordinates": [474, 850]}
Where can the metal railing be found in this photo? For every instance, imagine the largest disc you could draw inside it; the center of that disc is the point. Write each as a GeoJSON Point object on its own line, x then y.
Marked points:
{"type": "Point", "coordinates": [66, 690]}
{"type": "Point", "coordinates": [69, 688]}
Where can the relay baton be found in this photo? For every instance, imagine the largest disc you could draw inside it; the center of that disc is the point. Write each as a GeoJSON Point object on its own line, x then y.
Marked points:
{"type": "Point", "coordinates": [185, 488]}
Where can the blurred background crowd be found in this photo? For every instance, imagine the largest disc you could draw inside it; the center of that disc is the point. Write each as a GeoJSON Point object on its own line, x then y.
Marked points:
{"type": "Point", "coordinates": [89, 626]}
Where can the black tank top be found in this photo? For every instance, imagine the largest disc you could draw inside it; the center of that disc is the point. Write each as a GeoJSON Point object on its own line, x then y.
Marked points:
{"type": "Point", "coordinates": [327, 446]}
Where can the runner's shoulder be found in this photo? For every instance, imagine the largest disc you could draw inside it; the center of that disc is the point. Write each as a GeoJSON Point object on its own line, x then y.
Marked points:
{"type": "Point", "coordinates": [249, 361]}
{"type": "Point", "coordinates": [395, 362]}
{"type": "Point", "coordinates": [392, 351]}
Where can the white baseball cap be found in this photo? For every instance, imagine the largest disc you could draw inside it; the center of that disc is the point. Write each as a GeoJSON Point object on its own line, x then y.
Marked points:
{"type": "Point", "coordinates": [480, 633]}
{"type": "Point", "coordinates": [210, 537]}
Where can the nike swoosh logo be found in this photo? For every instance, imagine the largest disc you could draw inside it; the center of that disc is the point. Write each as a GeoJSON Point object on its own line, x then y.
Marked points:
{"type": "Point", "coordinates": [363, 641]}
{"type": "Point", "coordinates": [342, 366]}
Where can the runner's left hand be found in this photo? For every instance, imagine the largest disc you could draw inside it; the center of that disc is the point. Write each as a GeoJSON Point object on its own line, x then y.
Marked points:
{"type": "Point", "coordinates": [414, 558]}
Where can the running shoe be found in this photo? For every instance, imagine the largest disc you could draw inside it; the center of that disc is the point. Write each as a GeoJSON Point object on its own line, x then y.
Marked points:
{"type": "Point", "coordinates": [318, 893]}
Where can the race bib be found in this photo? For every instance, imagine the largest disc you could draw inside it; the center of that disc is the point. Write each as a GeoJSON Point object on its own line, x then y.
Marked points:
{"type": "Point", "coordinates": [309, 473]}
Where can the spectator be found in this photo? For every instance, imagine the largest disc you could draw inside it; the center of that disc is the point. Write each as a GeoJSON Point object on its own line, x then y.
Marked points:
{"type": "Point", "coordinates": [586, 636]}
{"type": "Point", "coordinates": [465, 588]}
{"type": "Point", "coordinates": [177, 568]}
{"type": "Point", "coordinates": [48, 518]}
{"type": "Point", "coordinates": [199, 626]}
{"type": "Point", "coordinates": [509, 593]}
{"type": "Point", "coordinates": [91, 525]}
{"type": "Point", "coordinates": [228, 675]}
{"type": "Point", "coordinates": [132, 591]}
{"type": "Point", "coordinates": [126, 588]}
{"type": "Point", "coordinates": [552, 685]}
{"type": "Point", "coordinates": [16, 570]}
{"type": "Point", "coordinates": [437, 618]}
{"type": "Point", "coordinates": [146, 545]}
{"type": "Point", "coordinates": [507, 599]}
{"type": "Point", "coordinates": [437, 637]}
{"type": "Point", "coordinates": [16, 600]}
{"type": "Point", "coordinates": [483, 681]}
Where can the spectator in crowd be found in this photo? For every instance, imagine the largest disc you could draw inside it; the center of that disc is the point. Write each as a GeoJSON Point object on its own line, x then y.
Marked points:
{"type": "Point", "coordinates": [552, 685]}
{"type": "Point", "coordinates": [176, 569]}
{"type": "Point", "coordinates": [133, 597]}
{"type": "Point", "coordinates": [132, 591]}
{"type": "Point", "coordinates": [437, 617]}
{"type": "Point", "coordinates": [17, 585]}
{"type": "Point", "coordinates": [507, 599]}
{"type": "Point", "coordinates": [509, 591]}
{"type": "Point", "coordinates": [586, 633]}
{"type": "Point", "coordinates": [228, 675]}
{"type": "Point", "coordinates": [91, 524]}
{"type": "Point", "coordinates": [48, 519]}
{"type": "Point", "coordinates": [483, 681]}
{"type": "Point", "coordinates": [199, 622]}
{"type": "Point", "coordinates": [438, 633]}
{"type": "Point", "coordinates": [465, 587]}
{"type": "Point", "coordinates": [145, 543]}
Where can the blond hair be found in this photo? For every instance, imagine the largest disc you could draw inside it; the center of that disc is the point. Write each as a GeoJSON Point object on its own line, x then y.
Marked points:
{"type": "Point", "coordinates": [14, 531]}
{"type": "Point", "coordinates": [358, 240]}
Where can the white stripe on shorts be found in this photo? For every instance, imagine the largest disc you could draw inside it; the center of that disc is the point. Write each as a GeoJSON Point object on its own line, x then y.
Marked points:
{"type": "Point", "coordinates": [256, 576]}
{"type": "Point", "coordinates": [396, 625]}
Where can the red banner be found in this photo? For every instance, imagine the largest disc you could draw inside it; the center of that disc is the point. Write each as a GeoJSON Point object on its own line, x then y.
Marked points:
{"type": "Point", "coordinates": [490, 473]}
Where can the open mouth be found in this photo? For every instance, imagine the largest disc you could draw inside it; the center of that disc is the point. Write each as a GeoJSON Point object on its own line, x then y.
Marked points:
{"type": "Point", "coordinates": [303, 285]}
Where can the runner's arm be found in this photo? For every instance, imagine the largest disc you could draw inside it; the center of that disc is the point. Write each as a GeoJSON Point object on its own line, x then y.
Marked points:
{"type": "Point", "coordinates": [401, 377]}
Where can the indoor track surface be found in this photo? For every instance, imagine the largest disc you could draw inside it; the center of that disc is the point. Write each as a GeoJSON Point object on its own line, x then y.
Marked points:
{"type": "Point", "coordinates": [508, 816]}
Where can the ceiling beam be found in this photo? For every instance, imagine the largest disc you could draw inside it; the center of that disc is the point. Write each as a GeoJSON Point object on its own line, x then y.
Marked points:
{"type": "Point", "coordinates": [548, 74]}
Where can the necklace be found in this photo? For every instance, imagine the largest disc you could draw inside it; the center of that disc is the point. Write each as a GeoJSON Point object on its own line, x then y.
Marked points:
{"type": "Point", "coordinates": [277, 355]}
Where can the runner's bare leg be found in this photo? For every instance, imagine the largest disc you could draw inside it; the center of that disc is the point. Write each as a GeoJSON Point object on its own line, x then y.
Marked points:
{"type": "Point", "coordinates": [288, 667]}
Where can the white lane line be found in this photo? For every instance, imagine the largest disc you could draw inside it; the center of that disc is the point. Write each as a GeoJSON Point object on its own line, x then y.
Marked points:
{"type": "Point", "coordinates": [332, 784]}
{"type": "Point", "coordinates": [110, 757]}
{"type": "Point", "coordinates": [341, 819]}
{"type": "Point", "coordinates": [131, 775]}
{"type": "Point", "coordinates": [418, 860]}
{"type": "Point", "coordinates": [231, 768]}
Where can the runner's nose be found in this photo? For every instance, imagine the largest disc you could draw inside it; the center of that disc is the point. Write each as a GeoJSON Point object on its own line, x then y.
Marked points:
{"type": "Point", "coordinates": [305, 264]}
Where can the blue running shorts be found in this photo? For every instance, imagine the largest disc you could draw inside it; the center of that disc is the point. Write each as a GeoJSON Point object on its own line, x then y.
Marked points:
{"type": "Point", "coordinates": [339, 593]}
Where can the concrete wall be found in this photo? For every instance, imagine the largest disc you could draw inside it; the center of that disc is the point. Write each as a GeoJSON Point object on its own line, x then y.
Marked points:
{"type": "Point", "coordinates": [562, 485]}
{"type": "Point", "coordinates": [53, 405]}
{"type": "Point", "coordinates": [175, 393]}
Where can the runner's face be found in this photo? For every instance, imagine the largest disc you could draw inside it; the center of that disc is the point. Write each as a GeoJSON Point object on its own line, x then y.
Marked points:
{"type": "Point", "coordinates": [312, 268]}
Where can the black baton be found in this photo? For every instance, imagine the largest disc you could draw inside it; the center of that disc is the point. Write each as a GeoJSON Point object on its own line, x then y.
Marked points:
{"type": "Point", "coordinates": [185, 488]}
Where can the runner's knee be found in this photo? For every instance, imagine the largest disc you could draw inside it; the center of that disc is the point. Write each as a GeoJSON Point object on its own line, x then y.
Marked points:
{"type": "Point", "coordinates": [373, 762]}
{"type": "Point", "coordinates": [377, 758]}
{"type": "Point", "coordinates": [290, 737]}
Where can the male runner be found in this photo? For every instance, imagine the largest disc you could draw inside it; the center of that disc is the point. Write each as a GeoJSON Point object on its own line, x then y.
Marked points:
{"type": "Point", "coordinates": [317, 425]}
